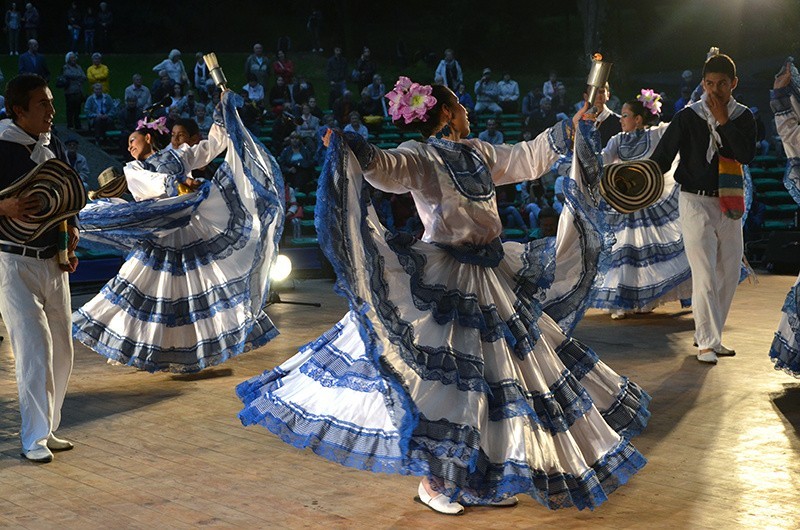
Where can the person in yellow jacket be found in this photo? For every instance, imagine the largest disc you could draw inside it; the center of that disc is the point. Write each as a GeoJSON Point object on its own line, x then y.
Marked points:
{"type": "Point", "coordinates": [98, 72]}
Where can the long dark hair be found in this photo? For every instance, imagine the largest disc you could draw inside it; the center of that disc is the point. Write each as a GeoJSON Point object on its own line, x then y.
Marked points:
{"type": "Point", "coordinates": [638, 109]}
{"type": "Point", "coordinates": [444, 97]}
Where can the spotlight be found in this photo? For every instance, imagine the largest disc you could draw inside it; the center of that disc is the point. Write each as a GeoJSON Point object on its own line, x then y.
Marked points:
{"type": "Point", "coordinates": [281, 269]}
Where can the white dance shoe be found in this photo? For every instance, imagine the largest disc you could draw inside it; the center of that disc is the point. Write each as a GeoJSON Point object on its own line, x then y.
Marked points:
{"type": "Point", "coordinates": [58, 444]}
{"type": "Point", "coordinates": [39, 454]}
{"type": "Point", "coordinates": [709, 357]}
{"type": "Point", "coordinates": [439, 503]}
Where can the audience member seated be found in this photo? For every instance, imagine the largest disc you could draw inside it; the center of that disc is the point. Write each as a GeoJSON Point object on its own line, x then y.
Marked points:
{"type": "Point", "coordinates": [303, 91]}
{"type": "Point", "coordinates": [294, 213]}
{"type": "Point", "coordinates": [297, 164]}
{"type": "Point", "coordinates": [465, 98]}
{"type": "Point", "coordinates": [507, 207]}
{"type": "Point", "coordinates": [548, 224]}
{"type": "Point", "coordinates": [139, 92]}
{"type": "Point", "coordinates": [550, 86]}
{"type": "Point", "coordinates": [162, 87]}
{"type": "Point", "coordinates": [200, 75]}
{"type": "Point", "coordinates": [283, 67]}
{"type": "Point", "coordinates": [342, 107]}
{"type": "Point", "coordinates": [250, 115]}
{"type": "Point", "coordinates": [315, 110]}
{"type": "Point", "coordinates": [559, 103]}
{"type": "Point", "coordinates": [382, 203]}
{"type": "Point", "coordinates": [178, 99]}
{"type": "Point", "coordinates": [99, 109]}
{"type": "Point", "coordinates": [77, 161]}
{"type": "Point", "coordinates": [355, 126]}
{"type": "Point", "coordinates": [530, 103]}
{"type": "Point", "coordinates": [204, 121]}
{"type": "Point", "coordinates": [328, 123]}
{"type": "Point", "coordinates": [283, 126]}
{"type": "Point", "coordinates": [486, 94]}
{"type": "Point", "coordinates": [128, 120]}
{"type": "Point", "coordinates": [280, 98]}
{"type": "Point", "coordinates": [98, 72]}
{"type": "Point", "coordinates": [508, 94]}
{"type": "Point", "coordinates": [376, 92]}
{"type": "Point", "coordinates": [491, 134]}
{"type": "Point", "coordinates": [543, 118]}
{"type": "Point", "coordinates": [254, 90]}
{"type": "Point", "coordinates": [336, 73]}
{"type": "Point", "coordinates": [308, 126]}
{"type": "Point", "coordinates": [190, 105]}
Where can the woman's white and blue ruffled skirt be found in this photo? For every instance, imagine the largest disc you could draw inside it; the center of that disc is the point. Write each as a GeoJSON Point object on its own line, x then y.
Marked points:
{"type": "Point", "coordinates": [647, 266]}
{"type": "Point", "coordinates": [446, 366]}
{"type": "Point", "coordinates": [191, 291]}
{"type": "Point", "coordinates": [785, 349]}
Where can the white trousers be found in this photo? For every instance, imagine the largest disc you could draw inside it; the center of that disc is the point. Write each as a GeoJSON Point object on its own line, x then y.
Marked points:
{"type": "Point", "coordinates": [714, 248]}
{"type": "Point", "coordinates": [35, 305]}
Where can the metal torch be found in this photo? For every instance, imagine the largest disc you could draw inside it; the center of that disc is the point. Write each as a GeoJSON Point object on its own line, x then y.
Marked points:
{"type": "Point", "coordinates": [598, 77]}
{"type": "Point", "coordinates": [215, 71]}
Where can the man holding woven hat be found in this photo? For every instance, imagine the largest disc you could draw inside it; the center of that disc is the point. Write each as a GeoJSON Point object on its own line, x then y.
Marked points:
{"type": "Point", "coordinates": [34, 291]}
{"type": "Point", "coordinates": [714, 136]}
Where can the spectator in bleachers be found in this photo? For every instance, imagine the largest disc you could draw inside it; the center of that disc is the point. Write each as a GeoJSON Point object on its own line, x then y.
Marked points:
{"type": "Point", "coordinates": [559, 104]}
{"type": "Point", "coordinates": [162, 87]}
{"type": "Point", "coordinates": [204, 121]}
{"type": "Point", "coordinates": [366, 106]}
{"type": "Point", "coordinates": [190, 105]}
{"type": "Point", "coordinates": [606, 121]}
{"type": "Point", "coordinates": [505, 196]}
{"type": "Point", "coordinates": [558, 198]}
{"type": "Point", "coordinates": [308, 126]}
{"type": "Point", "coordinates": [279, 97]}
{"type": "Point", "coordinates": [508, 94]}
{"type": "Point", "coordinates": [294, 213]}
{"type": "Point", "coordinates": [99, 109]}
{"type": "Point", "coordinates": [30, 20]}
{"type": "Point", "coordinates": [297, 163]}
{"type": "Point", "coordinates": [376, 92]}
{"type": "Point", "coordinates": [303, 91]}
{"type": "Point", "coordinates": [283, 67]}
{"type": "Point", "coordinates": [173, 115]}
{"type": "Point", "coordinates": [550, 86]}
{"type": "Point", "coordinates": [250, 115]}
{"type": "Point", "coordinates": [343, 106]}
{"type": "Point", "coordinates": [543, 118]}
{"type": "Point", "coordinates": [491, 134]}
{"type": "Point", "coordinates": [257, 64]}
{"type": "Point", "coordinates": [486, 94]}
{"type": "Point", "coordinates": [282, 127]}
{"type": "Point", "coordinates": [178, 99]}
{"type": "Point", "coordinates": [254, 90]}
{"type": "Point", "coordinates": [98, 72]}
{"type": "Point", "coordinates": [89, 28]}
{"type": "Point", "coordinates": [174, 67]}
{"type": "Point", "coordinates": [449, 70]}
{"type": "Point", "coordinates": [139, 92]}
{"type": "Point", "coordinates": [687, 82]}
{"type": "Point", "coordinates": [356, 126]}
{"type": "Point", "coordinates": [105, 20]}
{"type": "Point", "coordinates": [74, 26]}
{"type": "Point", "coordinates": [336, 73]}
{"type": "Point", "coordinates": [315, 110]}
{"type": "Point", "coordinates": [530, 103]}
{"type": "Point", "coordinates": [547, 223]}
{"type": "Point", "coordinates": [77, 161]}
{"type": "Point", "coordinates": [73, 91]}
{"type": "Point", "coordinates": [13, 23]}
{"type": "Point", "coordinates": [382, 203]}
{"type": "Point", "coordinates": [200, 77]}
{"type": "Point", "coordinates": [128, 118]}
{"type": "Point", "coordinates": [365, 69]}
{"type": "Point", "coordinates": [465, 98]}
{"type": "Point", "coordinates": [32, 62]}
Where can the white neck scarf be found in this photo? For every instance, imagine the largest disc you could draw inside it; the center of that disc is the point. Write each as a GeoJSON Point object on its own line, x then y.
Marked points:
{"type": "Point", "coordinates": [11, 132]}
{"type": "Point", "coordinates": [714, 140]}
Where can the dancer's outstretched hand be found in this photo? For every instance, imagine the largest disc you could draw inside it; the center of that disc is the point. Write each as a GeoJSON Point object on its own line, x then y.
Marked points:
{"type": "Point", "coordinates": [784, 78]}
{"type": "Point", "coordinates": [582, 115]}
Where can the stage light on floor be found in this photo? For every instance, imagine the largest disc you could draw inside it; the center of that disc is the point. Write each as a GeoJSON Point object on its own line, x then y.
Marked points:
{"type": "Point", "coordinates": [281, 269]}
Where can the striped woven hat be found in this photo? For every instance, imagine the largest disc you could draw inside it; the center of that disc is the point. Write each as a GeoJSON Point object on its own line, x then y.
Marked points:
{"type": "Point", "coordinates": [112, 184]}
{"type": "Point", "coordinates": [631, 186]}
{"type": "Point", "coordinates": [61, 195]}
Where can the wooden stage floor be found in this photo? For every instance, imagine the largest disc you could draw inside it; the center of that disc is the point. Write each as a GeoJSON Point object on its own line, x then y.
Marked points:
{"type": "Point", "coordinates": [167, 451]}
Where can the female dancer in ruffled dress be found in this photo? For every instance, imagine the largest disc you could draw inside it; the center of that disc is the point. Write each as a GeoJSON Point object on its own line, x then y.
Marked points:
{"type": "Point", "coordinates": [785, 103]}
{"type": "Point", "coordinates": [191, 292]}
{"type": "Point", "coordinates": [648, 265]}
{"type": "Point", "coordinates": [445, 366]}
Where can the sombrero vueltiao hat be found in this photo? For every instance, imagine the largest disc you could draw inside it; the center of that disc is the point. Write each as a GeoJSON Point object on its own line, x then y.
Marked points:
{"type": "Point", "coordinates": [112, 184]}
{"type": "Point", "coordinates": [61, 195]}
{"type": "Point", "coordinates": [631, 186]}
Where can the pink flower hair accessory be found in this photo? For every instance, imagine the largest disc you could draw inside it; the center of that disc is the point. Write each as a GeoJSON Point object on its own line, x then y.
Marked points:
{"type": "Point", "coordinates": [410, 101]}
{"type": "Point", "coordinates": [651, 100]}
{"type": "Point", "coordinates": [159, 125]}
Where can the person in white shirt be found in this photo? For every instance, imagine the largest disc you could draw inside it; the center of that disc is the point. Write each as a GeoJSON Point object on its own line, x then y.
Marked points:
{"type": "Point", "coordinates": [508, 94]}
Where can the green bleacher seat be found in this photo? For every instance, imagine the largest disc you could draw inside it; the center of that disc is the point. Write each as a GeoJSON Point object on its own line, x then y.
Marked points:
{"type": "Point", "coordinates": [510, 117]}
{"type": "Point", "coordinates": [389, 137]}
{"type": "Point", "coordinates": [304, 242]}
{"type": "Point", "coordinates": [312, 195]}
{"type": "Point", "coordinates": [306, 223]}
{"type": "Point", "coordinates": [266, 140]}
{"type": "Point", "coordinates": [308, 210]}
{"type": "Point", "coordinates": [782, 208]}
{"type": "Point", "coordinates": [299, 195]}
{"type": "Point", "coordinates": [767, 184]}
{"type": "Point", "coordinates": [113, 134]}
{"type": "Point", "coordinates": [513, 233]}
{"type": "Point", "coordinates": [774, 196]}
{"type": "Point", "coordinates": [386, 145]}
{"type": "Point", "coordinates": [782, 224]}
{"type": "Point", "coordinates": [776, 171]}
{"type": "Point", "coordinates": [764, 160]}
